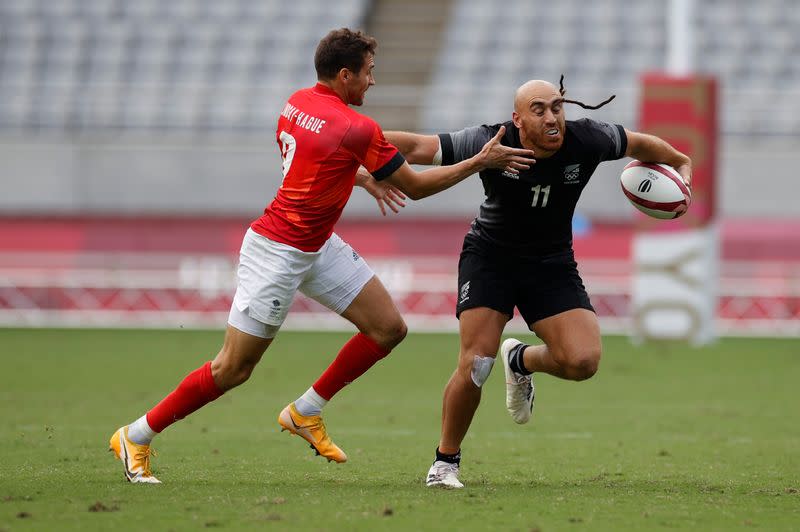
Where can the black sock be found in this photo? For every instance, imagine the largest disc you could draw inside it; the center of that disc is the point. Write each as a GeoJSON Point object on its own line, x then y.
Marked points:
{"type": "Point", "coordinates": [449, 458]}
{"type": "Point", "coordinates": [515, 360]}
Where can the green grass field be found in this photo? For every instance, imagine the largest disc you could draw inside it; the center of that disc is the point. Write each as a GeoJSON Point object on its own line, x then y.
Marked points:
{"type": "Point", "coordinates": [664, 437]}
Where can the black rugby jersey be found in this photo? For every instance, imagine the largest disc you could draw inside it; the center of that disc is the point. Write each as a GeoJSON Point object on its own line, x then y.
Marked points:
{"type": "Point", "coordinates": [532, 212]}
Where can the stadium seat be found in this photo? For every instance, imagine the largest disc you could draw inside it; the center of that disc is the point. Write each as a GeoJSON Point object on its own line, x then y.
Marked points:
{"type": "Point", "coordinates": [255, 49]}
{"type": "Point", "coordinates": [79, 60]}
{"type": "Point", "coordinates": [607, 46]}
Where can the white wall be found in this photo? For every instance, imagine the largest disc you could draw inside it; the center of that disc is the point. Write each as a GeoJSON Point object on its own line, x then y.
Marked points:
{"type": "Point", "coordinates": [239, 178]}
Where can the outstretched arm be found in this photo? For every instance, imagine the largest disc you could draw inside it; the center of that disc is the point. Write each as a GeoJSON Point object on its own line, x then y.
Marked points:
{"type": "Point", "coordinates": [652, 149]}
{"type": "Point", "coordinates": [418, 185]}
{"type": "Point", "coordinates": [416, 148]}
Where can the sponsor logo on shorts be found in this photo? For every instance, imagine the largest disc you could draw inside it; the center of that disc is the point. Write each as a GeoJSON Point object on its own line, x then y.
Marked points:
{"type": "Point", "coordinates": [355, 256]}
{"type": "Point", "coordinates": [463, 293]}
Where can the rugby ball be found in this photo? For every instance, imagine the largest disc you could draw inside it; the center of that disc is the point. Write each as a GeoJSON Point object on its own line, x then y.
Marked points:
{"type": "Point", "coordinates": [655, 189]}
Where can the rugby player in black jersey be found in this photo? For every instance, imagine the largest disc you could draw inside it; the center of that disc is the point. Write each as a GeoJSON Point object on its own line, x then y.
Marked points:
{"type": "Point", "coordinates": [518, 253]}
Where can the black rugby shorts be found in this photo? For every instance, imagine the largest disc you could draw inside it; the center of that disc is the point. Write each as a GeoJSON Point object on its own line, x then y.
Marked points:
{"type": "Point", "coordinates": [539, 287]}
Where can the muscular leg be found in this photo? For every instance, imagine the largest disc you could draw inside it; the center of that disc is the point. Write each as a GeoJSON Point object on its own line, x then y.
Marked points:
{"type": "Point", "coordinates": [231, 367]}
{"type": "Point", "coordinates": [374, 313]}
{"type": "Point", "coordinates": [571, 348]}
{"type": "Point", "coordinates": [480, 330]}
{"type": "Point", "coordinates": [381, 329]}
{"type": "Point", "coordinates": [237, 358]}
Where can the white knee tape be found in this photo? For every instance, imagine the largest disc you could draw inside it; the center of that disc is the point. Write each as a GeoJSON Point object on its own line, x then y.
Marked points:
{"type": "Point", "coordinates": [481, 368]}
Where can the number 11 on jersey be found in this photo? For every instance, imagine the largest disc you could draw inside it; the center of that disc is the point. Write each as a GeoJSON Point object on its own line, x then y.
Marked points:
{"type": "Point", "coordinates": [545, 194]}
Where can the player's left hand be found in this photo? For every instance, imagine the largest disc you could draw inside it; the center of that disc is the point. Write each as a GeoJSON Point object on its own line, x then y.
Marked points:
{"type": "Point", "coordinates": [512, 160]}
{"type": "Point", "coordinates": [385, 194]}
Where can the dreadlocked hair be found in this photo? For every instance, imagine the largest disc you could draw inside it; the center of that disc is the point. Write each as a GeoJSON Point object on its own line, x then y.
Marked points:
{"type": "Point", "coordinates": [563, 91]}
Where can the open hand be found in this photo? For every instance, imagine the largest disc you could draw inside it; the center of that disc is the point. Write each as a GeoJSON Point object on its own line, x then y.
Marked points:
{"type": "Point", "coordinates": [495, 155]}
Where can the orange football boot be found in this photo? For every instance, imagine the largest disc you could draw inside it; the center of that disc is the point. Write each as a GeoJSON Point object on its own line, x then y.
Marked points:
{"type": "Point", "coordinates": [312, 429]}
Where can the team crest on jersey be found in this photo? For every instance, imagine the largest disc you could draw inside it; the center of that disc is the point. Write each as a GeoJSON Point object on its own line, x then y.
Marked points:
{"type": "Point", "coordinates": [572, 173]}
{"type": "Point", "coordinates": [275, 311]}
{"type": "Point", "coordinates": [463, 293]}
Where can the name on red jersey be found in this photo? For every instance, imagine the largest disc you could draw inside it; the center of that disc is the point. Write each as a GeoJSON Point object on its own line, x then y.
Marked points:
{"type": "Point", "coordinates": [303, 120]}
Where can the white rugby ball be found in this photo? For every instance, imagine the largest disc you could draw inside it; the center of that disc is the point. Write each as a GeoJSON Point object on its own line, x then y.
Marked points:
{"type": "Point", "coordinates": [655, 189]}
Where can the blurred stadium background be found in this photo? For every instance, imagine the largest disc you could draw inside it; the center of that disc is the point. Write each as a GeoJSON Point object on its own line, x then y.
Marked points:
{"type": "Point", "coordinates": [137, 142]}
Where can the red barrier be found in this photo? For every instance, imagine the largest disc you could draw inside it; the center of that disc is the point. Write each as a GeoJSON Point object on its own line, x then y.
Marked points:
{"type": "Point", "coordinates": [682, 111]}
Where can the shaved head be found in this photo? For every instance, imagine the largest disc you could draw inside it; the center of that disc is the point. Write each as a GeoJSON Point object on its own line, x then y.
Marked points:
{"type": "Point", "coordinates": [539, 115]}
{"type": "Point", "coordinates": [534, 89]}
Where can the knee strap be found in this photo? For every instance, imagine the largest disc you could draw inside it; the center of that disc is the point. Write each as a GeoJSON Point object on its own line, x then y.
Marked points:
{"type": "Point", "coordinates": [481, 368]}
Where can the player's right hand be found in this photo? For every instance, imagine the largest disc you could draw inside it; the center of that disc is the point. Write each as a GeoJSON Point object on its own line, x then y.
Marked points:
{"type": "Point", "coordinates": [385, 194]}
{"type": "Point", "coordinates": [496, 155]}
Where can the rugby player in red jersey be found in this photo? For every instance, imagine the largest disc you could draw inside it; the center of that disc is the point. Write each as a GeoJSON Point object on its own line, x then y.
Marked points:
{"type": "Point", "coordinates": [292, 247]}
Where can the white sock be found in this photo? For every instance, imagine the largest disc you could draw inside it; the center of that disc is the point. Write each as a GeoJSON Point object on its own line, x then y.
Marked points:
{"type": "Point", "coordinates": [310, 403]}
{"type": "Point", "coordinates": [139, 432]}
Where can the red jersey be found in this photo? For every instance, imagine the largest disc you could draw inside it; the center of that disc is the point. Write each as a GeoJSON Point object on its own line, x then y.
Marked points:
{"type": "Point", "coordinates": [322, 142]}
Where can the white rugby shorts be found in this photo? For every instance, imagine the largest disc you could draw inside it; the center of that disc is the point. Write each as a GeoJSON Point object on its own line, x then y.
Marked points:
{"type": "Point", "coordinates": [270, 273]}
